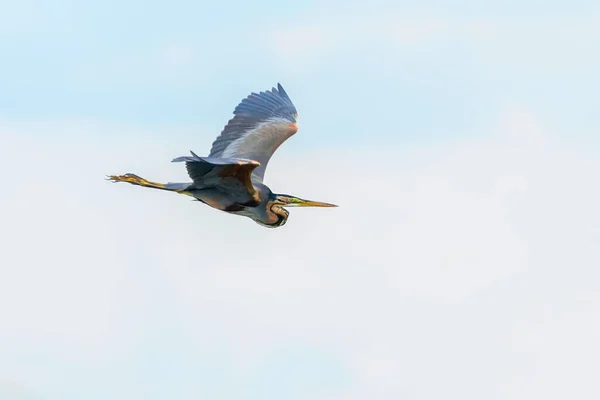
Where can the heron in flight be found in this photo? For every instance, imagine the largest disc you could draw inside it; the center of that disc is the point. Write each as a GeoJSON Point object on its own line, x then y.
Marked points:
{"type": "Point", "coordinates": [230, 179]}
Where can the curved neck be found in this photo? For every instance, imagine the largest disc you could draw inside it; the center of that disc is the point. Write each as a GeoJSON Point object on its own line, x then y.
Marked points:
{"type": "Point", "coordinates": [277, 215]}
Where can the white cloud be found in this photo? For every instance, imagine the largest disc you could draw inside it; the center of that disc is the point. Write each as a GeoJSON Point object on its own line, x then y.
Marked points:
{"type": "Point", "coordinates": [303, 45]}
{"type": "Point", "coordinates": [560, 43]}
{"type": "Point", "coordinates": [462, 268]}
{"type": "Point", "coordinates": [177, 63]}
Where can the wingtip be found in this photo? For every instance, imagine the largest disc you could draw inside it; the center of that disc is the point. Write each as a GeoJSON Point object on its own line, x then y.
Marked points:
{"type": "Point", "coordinates": [282, 91]}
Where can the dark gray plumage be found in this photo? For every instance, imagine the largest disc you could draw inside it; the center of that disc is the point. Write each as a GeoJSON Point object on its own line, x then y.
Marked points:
{"type": "Point", "coordinates": [231, 177]}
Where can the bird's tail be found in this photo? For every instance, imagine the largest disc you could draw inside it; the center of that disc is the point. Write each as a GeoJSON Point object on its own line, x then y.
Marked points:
{"type": "Point", "coordinates": [136, 180]}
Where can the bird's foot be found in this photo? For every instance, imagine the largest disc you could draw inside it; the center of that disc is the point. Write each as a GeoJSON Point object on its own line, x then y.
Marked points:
{"type": "Point", "coordinates": [135, 180]}
{"type": "Point", "coordinates": [130, 178]}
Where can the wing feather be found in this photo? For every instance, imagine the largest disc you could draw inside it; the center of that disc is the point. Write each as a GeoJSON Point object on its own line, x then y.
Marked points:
{"type": "Point", "coordinates": [230, 175]}
{"type": "Point", "coordinates": [261, 123]}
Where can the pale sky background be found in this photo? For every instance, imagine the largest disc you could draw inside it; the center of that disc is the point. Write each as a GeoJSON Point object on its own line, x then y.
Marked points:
{"type": "Point", "coordinates": [460, 138]}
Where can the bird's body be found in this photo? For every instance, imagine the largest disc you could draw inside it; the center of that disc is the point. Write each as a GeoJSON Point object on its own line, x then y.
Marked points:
{"type": "Point", "coordinates": [230, 179]}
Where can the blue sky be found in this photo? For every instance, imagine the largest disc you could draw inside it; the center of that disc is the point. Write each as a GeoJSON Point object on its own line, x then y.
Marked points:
{"type": "Point", "coordinates": [158, 63]}
{"type": "Point", "coordinates": [460, 139]}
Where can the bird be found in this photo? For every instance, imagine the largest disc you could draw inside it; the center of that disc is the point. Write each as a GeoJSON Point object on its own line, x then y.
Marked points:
{"type": "Point", "coordinates": [230, 178]}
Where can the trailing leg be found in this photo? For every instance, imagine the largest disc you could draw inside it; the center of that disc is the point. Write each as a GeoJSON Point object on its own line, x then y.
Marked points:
{"type": "Point", "coordinates": [139, 181]}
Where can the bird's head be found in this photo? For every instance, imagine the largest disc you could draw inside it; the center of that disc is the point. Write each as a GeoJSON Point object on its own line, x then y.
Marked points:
{"type": "Point", "coordinates": [277, 202]}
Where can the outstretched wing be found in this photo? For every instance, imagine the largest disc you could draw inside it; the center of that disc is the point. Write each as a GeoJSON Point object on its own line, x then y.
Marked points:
{"type": "Point", "coordinates": [231, 176]}
{"type": "Point", "coordinates": [261, 123]}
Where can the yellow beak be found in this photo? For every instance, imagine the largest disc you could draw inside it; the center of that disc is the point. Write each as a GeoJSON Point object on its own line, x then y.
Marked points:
{"type": "Point", "coordinates": [309, 203]}
{"type": "Point", "coordinates": [296, 202]}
